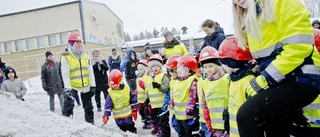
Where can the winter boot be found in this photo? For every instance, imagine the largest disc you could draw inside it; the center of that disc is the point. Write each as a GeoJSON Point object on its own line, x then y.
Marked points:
{"type": "Point", "coordinates": [155, 130]}
{"type": "Point", "coordinates": [147, 125]}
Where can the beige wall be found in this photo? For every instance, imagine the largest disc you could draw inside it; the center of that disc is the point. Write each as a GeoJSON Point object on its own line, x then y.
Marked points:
{"type": "Point", "coordinates": [102, 26]}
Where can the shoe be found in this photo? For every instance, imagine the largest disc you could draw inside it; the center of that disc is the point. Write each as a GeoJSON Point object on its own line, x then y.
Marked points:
{"type": "Point", "coordinates": [99, 110]}
{"type": "Point", "coordinates": [147, 125]}
{"type": "Point", "coordinates": [155, 130]}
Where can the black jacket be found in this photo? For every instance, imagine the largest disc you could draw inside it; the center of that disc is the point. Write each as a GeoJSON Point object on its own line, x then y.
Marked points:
{"type": "Point", "coordinates": [215, 39]}
{"type": "Point", "coordinates": [131, 67]}
{"type": "Point", "coordinates": [101, 76]}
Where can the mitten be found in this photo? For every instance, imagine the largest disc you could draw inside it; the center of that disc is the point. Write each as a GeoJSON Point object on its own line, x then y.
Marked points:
{"type": "Point", "coordinates": [141, 84]}
{"type": "Point", "coordinates": [92, 90]}
{"type": "Point", "coordinates": [105, 119]}
{"type": "Point", "coordinates": [134, 113]}
{"type": "Point", "coordinates": [256, 85]}
{"type": "Point", "coordinates": [156, 85]}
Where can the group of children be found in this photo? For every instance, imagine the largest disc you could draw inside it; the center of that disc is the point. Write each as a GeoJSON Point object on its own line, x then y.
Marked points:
{"type": "Point", "coordinates": [204, 105]}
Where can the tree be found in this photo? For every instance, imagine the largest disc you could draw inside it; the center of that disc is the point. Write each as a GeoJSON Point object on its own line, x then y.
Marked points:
{"type": "Point", "coordinates": [141, 36]}
{"type": "Point", "coordinates": [184, 30]}
{"type": "Point", "coordinates": [127, 37]}
{"type": "Point", "coordinates": [135, 37]}
{"type": "Point", "coordinates": [155, 33]}
{"type": "Point", "coordinates": [174, 31]}
{"type": "Point", "coordinates": [314, 7]}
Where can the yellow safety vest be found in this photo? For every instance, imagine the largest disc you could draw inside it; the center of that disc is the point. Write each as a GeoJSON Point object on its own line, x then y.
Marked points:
{"type": "Point", "coordinates": [179, 49]}
{"type": "Point", "coordinates": [173, 85]}
{"type": "Point", "coordinates": [289, 31]}
{"type": "Point", "coordinates": [121, 102]}
{"type": "Point", "coordinates": [312, 111]}
{"type": "Point", "coordinates": [200, 83]}
{"type": "Point", "coordinates": [155, 95]}
{"type": "Point", "coordinates": [142, 94]}
{"type": "Point", "coordinates": [181, 96]}
{"type": "Point", "coordinates": [237, 96]}
{"type": "Point", "coordinates": [79, 74]}
{"type": "Point", "coordinates": [216, 95]}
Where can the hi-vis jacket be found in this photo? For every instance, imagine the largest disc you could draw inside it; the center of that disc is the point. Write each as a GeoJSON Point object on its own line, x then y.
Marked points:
{"type": "Point", "coordinates": [77, 73]}
{"type": "Point", "coordinates": [173, 85]}
{"type": "Point", "coordinates": [179, 49]}
{"type": "Point", "coordinates": [200, 84]}
{"type": "Point", "coordinates": [312, 111]}
{"type": "Point", "coordinates": [237, 96]}
{"type": "Point", "coordinates": [142, 93]}
{"type": "Point", "coordinates": [287, 45]}
{"type": "Point", "coordinates": [155, 95]}
{"type": "Point", "coordinates": [216, 96]}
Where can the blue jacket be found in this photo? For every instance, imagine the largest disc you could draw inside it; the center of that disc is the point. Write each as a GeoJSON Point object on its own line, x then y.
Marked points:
{"type": "Point", "coordinates": [215, 39]}
{"type": "Point", "coordinates": [126, 58]}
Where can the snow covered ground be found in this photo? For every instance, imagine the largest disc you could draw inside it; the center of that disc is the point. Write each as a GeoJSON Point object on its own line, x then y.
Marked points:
{"type": "Point", "coordinates": [32, 118]}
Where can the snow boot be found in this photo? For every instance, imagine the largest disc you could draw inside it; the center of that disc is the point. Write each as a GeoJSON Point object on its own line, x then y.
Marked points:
{"type": "Point", "coordinates": [147, 125]}
{"type": "Point", "coordinates": [155, 130]}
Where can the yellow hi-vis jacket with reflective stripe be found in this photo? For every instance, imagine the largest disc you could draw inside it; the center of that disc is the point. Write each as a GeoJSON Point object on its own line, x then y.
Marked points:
{"type": "Point", "coordinates": [173, 85]}
{"type": "Point", "coordinates": [237, 96]}
{"type": "Point", "coordinates": [200, 84]}
{"type": "Point", "coordinates": [79, 74]}
{"type": "Point", "coordinates": [290, 31]}
{"type": "Point", "coordinates": [216, 95]}
{"type": "Point", "coordinates": [312, 111]}
{"type": "Point", "coordinates": [181, 97]}
{"type": "Point", "coordinates": [121, 102]}
{"type": "Point", "coordinates": [155, 95]}
{"type": "Point", "coordinates": [142, 94]}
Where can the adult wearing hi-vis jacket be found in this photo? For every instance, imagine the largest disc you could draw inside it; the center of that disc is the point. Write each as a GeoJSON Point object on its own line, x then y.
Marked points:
{"type": "Point", "coordinates": [282, 44]}
{"type": "Point", "coordinates": [77, 75]}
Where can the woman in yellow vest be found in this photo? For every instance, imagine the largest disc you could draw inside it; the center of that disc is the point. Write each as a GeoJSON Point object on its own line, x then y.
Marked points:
{"type": "Point", "coordinates": [172, 46]}
{"type": "Point", "coordinates": [280, 38]}
{"type": "Point", "coordinates": [171, 66]}
{"type": "Point", "coordinates": [184, 96]}
{"type": "Point", "coordinates": [143, 100]}
{"type": "Point", "coordinates": [235, 61]}
{"type": "Point", "coordinates": [157, 89]}
{"type": "Point", "coordinates": [213, 95]}
{"type": "Point", "coordinates": [121, 102]}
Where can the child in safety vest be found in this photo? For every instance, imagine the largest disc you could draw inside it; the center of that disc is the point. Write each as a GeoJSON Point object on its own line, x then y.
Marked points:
{"type": "Point", "coordinates": [213, 93]}
{"type": "Point", "coordinates": [235, 61]}
{"type": "Point", "coordinates": [157, 89]}
{"type": "Point", "coordinates": [121, 102]}
{"type": "Point", "coordinates": [184, 97]}
{"type": "Point", "coordinates": [171, 66]}
{"type": "Point", "coordinates": [143, 100]}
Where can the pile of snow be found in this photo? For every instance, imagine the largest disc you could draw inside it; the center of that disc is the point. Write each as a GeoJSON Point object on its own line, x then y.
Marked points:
{"type": "Point", "coordinates": [32, 118]}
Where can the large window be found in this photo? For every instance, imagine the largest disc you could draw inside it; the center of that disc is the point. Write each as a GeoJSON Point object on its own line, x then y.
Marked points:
{"type": "Point", "coordinates": [18, 45]}
{"type": "Point", "coordinates": [64, 38]}
{"type": "Point", "coordinates": [52, 40]}
{"type": "Point", "coordinates": [29, 43]}
{"type": "Point", "coordinates": [40, 42]}
{"type": "Point", "coordinates": [7, 47]}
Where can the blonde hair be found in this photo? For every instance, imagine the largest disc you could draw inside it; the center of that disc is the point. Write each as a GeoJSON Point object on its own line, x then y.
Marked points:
{"type": "Point", "coordinates": [246, 22]}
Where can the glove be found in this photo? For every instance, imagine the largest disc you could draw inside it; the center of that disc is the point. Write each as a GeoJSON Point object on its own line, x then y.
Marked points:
{"type": "Point", "coordinates": [256, 85]}
{"type": "Point", "coordinates": [105, 119]}
{"type": "Point", "coordinates": [92, 91]}
{"type": "Point", "coordinates": [134, 114]}
{"type": "Point", "coordinates": [141, 84]}
{"type": "Point", "coordinates": [156, 85]}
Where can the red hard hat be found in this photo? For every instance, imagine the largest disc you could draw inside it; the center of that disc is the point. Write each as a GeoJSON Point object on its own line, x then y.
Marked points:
{"type": "Point", "coordinates": [229, 49]}
{"type": "Point", "coordinates": [75, 37]}
{"type": "Point", "coordinates": [172, 62]}
{"type": "Point", "coordinates": [188, 61]}
{"type": "Point", "coordinates": [115, 78]}
{"type": "Point", "coordinates": [156, 57]}
{"type": "Point", "coordinates": [317, 39]}
{"type": "Point", "coordinates": [208, 52]}
{"type": "Point", "coordinates": [143, 62]}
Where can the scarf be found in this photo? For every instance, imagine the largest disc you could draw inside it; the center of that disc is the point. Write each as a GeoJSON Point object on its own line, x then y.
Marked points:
{"type": "Point", "coordinates": [171, 44]}
{"type": "Point", "coordinates": [212, 77]}
{"type": "Point", "coordinates": [50, 64]}
{"type": "Point", "coordinates": [76, 52]}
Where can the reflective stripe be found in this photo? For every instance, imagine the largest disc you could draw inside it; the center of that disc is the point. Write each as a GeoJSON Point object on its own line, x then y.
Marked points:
{"type": "Point", "coordinates": [180, 113]}
{"type": "Point", "coordinates": [78, 69]}
{"type": "Point", "coordinates": [156, 95]}
{"type": "Point", "coordinates": [274, 73]}
{"type": "Point", "coordinates": [212, 110]}
{"type": "Point", "coordinates": [311, 69]}
{"type": "Point", "coordinates": [119, 109]}
{"type": "Point", "coordinates": [312, 107]}
{"type": "Point", "coordinates": [310, 118]}
{"type": "Point", "coordinates": [122, 112]}
{"type": "Point", "coordinates": [234, 131]}
{"type": "Point", "coordinates": [267, 51]}
{"type": "Point", "coordinates": [134, 104]}
{"type": "Point", "coordinates": [299, 39]}
{"type": "Point", "coordinates": [141, 98]}
{"type": "Point", "coordinates": [180, 104]}
{"type": "Point", "coordinates": [156, 102]}
{"type": "Point", "coordinates": [217, 121]}
{"type": "Point", "coordinates": [107, 110]}
{"type": "Point", "coordinates": [79, 77]}
{"type": "Point", "coordinates": [232, 117]}
{"type": "Point", "coordinates": [142, 93]}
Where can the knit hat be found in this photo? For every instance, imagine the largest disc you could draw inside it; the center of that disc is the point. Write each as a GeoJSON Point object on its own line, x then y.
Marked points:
{"type": "Point", "coordinates": [153, 63]}
{"type": "Point", "coordinates": [141, 66]}
{"type": "Point", "coordinates": [48, 53]}
{"type": "Point", "coordinates": [71, 42]}
{"type": "Point", "coordinates": [167, 33]}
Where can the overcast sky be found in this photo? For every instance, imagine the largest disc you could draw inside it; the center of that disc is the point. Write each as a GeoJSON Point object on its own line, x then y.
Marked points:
{"type": "Point", "coordinates": [141, 15]}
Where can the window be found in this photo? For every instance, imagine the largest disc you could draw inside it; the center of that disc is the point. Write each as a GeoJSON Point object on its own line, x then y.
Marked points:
{"type": "Point", "coordinates": [7, 47]}
{"type": "Point", "coordinates": [40, 42]}
{"type": "Point", "coordinates": [64, 38]}
{"type": "Point", "coordinates": [52, 40]}
{"type": "Point", "coordinates": [29, 42]}
{"type": "Point", "coordinates": [18, 45]}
